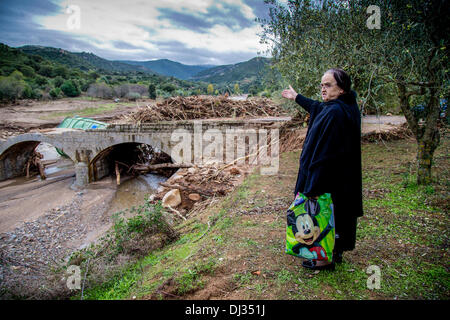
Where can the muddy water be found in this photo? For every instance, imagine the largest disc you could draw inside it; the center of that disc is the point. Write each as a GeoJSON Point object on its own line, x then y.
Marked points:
{"type": "Point", "coordinates": [131, 192]}
{"type": "Point", "coordinates": [134, 192]}
{"type": "Point", "coordinates": [25, 200]}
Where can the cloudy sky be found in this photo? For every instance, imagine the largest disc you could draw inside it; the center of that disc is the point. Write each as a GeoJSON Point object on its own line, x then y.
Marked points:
{"type": "Point", "coordinates": [187, 31]}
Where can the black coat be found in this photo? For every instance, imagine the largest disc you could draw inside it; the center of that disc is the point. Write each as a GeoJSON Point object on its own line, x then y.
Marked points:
{"type": "Point", "coordinates": [330, 161]}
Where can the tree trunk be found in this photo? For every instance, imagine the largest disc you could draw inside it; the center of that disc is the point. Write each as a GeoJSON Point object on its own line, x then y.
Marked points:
{"type": "Point", "coordinates": [427, 134]}
{"type": "Point", "coordinates": [424, 162]}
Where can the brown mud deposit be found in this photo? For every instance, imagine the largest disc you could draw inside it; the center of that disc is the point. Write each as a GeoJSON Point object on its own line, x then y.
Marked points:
{"type": "Point", "coordinates": [27, 115]}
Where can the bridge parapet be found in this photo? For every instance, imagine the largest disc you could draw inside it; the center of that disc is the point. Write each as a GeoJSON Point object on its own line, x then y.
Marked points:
{"type": "Point", "coordinates": [185, 141]}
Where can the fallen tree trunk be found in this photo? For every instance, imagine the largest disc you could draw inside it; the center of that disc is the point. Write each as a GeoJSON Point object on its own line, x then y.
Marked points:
{"type": "Point", "coordinates": [117, 174]}
{"type": "Point", "coordinates": [35, 161]}
{"type": "Point", "coordinates": [150, 167]}
{"type": "Point", "coordinates": [41, 169]}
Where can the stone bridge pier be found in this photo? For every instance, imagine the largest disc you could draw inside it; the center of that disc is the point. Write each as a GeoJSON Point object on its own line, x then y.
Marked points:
{"type": "Point", "coordinates": [184, 141]}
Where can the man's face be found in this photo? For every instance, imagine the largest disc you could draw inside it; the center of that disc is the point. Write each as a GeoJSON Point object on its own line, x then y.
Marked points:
{"type": "Point", "coordinates": [330, 90]}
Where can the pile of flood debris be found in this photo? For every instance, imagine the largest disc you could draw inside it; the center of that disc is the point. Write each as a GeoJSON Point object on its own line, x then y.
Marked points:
{"type": "Point", "coordinates": [387, 134]}
{"type": "Point", "coordinates": [204, 107]}
{"type": "Point", "coordinates": [10, 130]}
{"type": "Point", "coordinates": [195, 187]}
{"type": "Point", "coordinates": [188, 184]}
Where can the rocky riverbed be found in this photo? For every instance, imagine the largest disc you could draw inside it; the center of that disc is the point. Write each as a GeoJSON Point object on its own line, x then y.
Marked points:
{"type": "Point", "coordinates": [29, 252]}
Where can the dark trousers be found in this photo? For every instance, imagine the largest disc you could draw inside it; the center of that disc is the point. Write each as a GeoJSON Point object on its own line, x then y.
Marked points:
{"type": "Point", "coordinates": [345, 227]}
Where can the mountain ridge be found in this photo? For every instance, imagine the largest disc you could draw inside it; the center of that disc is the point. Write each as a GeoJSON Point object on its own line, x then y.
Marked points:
{"type": "Point", "coordinates": [246, 76]}
{"type": "Point", "coordinates": [84, 61]}
{"type": "Point", "coordinates": [170, 68]}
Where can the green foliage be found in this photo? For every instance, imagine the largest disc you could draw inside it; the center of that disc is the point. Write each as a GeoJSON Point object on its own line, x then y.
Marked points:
{"type": "Point", "coordinates": [83, 61]}
{"type": "Point", "coordinates": [152, 91]}
{"type": "Point", "coordinates": [13, 87]}
{"type": "Point", "coordinates": [16, 75]}
{"type": "Point", "coordinates": [43, 68]}
{"type": "Point", "coordinates": [93, 75]}
{"type": "Point", "coordinates": [55, 93]}
{"type": "Point", "coordinates": [27, 92]}
{"type": "Point", "coordinates": [46, 71]}
{"type": "Point", "coordinates": [37, 94]}
{"type": "Point", "coordinates": [146, 219]}
{"type": "Point", "coordinates": [27, 71]}
{"type": "Point", "coordinates": [210, 89]}
{"type": "Point", "coordinates": [58, 81]}
{"type": "Point", "coordinates": [61, 71]}
{"type": "Point", "coordinates": [246, 74]}
{"type": "Point", "coordinates": [310, 37]}
{"type": "Point", "coordinates": [191, 280]}
{"type": "Point", "coordinates": [236, 89]}
{"type": "Point", "coordinates": [41, 81]}
{"type": "Point", "coordinates": [168, 87]}
{"type": "Point", "coordinates": [70, 88]}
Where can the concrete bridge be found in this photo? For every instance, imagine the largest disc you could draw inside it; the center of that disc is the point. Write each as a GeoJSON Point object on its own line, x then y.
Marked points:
{"type": "Point", "coordinates": [193, 141]}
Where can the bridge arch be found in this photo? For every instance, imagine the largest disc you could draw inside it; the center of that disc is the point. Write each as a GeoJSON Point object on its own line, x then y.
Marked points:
{"type": "Point", "coordinates": [102, 163]}
{"type": "Point", "coordinates": [26, 141]}
{"type": "Point", "coordinates": [15, 152]}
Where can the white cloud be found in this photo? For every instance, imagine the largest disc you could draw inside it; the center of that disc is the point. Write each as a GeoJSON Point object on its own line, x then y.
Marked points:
{"type": "Point", "coordinates": [135, 22]}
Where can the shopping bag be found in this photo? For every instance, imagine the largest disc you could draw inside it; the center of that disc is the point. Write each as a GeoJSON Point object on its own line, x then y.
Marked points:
{"type": "Point", "coordinates": [310, 232]}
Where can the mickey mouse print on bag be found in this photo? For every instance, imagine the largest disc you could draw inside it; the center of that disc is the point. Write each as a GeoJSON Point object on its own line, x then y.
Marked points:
{"type": "Point", "coordinates": [310, 232]}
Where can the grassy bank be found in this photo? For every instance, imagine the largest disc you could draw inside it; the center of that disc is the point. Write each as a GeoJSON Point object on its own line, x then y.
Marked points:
{"type": "Point", "coordinates": [234, 249]}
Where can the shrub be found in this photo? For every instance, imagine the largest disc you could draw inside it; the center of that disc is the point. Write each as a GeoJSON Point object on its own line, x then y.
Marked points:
{"type": "Point", "coordinates": [100, 90]}
{"type": "Point", "coordinates": [27, 92]}
{"type": "Point", "coordinates": [122, 90]}
{"type": "Point", "coordinates": [70, 89]}
{"type": "Point", "coordinates": [27, 71]}
{"type": "Point", "coordinates": [85, 85]}
{"type": "Point", "coordinates": [41, 81]}
{"type": "Point", "coordinates": [37, 94]}
{"type": "Point", "coordinates": [147, 219]}
{"type": "Point", "coordinates": [210, 89]}
{"type": "Point", "coordinates": [152, 91]}
{"type": "Point", "coordinates": [61, 71]}
{"type": "Point", "coordinates": [55, 93]}
{"type": "Point", "coordinates": [11, 88]}
{"type": "Point", "coordinates": [16, 75]}
{"type": "Point", "coordinates": [93, 75]}
{"type": "Point", "coordinates": [58, 81]}
{"type": "Point", "coordinates": [168, 87]}
{"type": "Point", "coordinates": [46, 71]}
{"type": "Point", "coordinates": [133, 96]}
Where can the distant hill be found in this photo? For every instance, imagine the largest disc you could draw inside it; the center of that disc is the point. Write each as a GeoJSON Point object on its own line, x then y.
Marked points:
{"type": "Point", "coordinates": [170, 68]}
{"type": "Point", "coordinates": [81, 60]}
{"type": "Point", "coordinates": [240, 72]}
{"type": "Point", "coordinates": [252, 76]}
{"type": "Point", "coordinates": [246, 73]}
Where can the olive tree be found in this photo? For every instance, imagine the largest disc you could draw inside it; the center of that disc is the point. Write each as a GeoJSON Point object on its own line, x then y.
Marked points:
{"type": "Point", "coordinates": [406, 48]}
